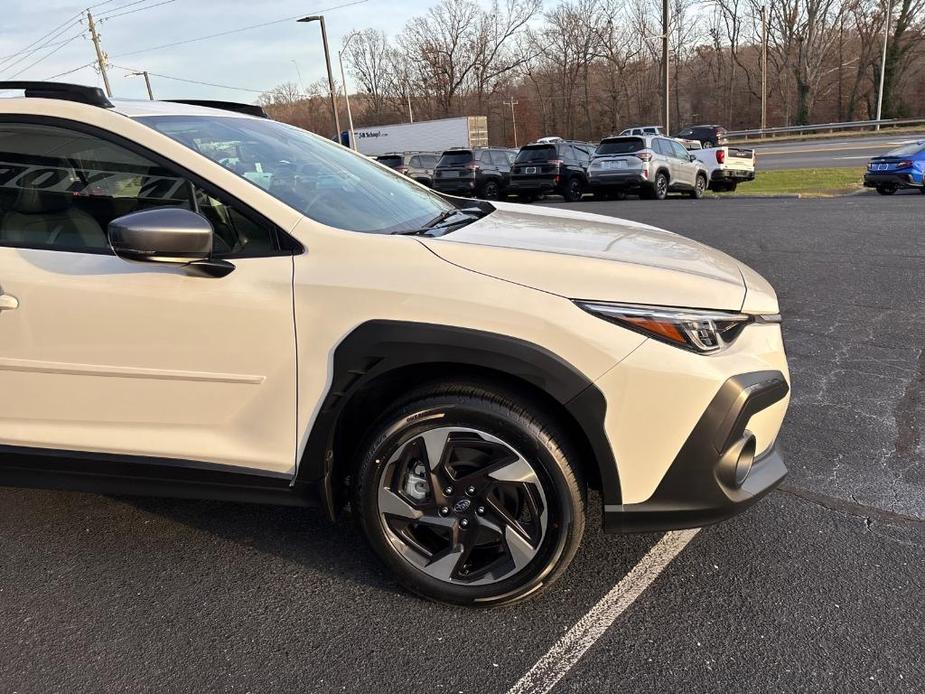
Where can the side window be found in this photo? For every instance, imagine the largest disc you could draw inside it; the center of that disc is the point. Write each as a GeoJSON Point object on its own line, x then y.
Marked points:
{"type": "Point", "coordinates": [60, 189]}
{"type": "Point", "coordinates": [661, 147]}
{"type": "Point", "coordinates": [415, 162]}
{"type": "Point", "coordinates": [679, 151]}
{"type": "Point", "coordinates": [430, 161]}
{"type": "Point", "coordinates": [567, 153]}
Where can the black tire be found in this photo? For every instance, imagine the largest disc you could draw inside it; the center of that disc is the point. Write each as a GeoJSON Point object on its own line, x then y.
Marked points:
{"type": "Point", "coordinates": [415, 550]}
{"type": "Point", "coordinates": [700, 185]}
{"type": "Point", "coordinates": [490, 190]}
{"type": "Point", "coordinates": [574, 190]}
{"type": "Point", "coordinates": [887, 189]}
{"type": "Point", "coordinates": [659, 189]}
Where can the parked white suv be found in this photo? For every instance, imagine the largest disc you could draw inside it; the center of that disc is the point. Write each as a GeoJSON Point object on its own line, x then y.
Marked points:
{"type": "Point", "coordinates": [201, 303]}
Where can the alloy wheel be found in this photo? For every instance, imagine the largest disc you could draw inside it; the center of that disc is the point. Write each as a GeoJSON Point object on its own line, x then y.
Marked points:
{"type": "Point", "coordinates": [661, 186]}
{"type": "Point", "coordinates": [462, 506]}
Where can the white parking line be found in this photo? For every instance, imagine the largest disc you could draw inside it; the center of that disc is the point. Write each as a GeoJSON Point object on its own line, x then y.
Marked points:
{"type": "Point", "coordinates": [568, 650]}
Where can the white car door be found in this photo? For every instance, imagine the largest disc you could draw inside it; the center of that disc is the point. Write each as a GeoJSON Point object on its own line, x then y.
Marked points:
{"type": "Point", "coordinates": [102, 355]}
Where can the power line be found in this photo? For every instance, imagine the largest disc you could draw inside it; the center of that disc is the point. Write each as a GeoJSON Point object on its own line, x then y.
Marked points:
{"type": "Point", "coordinates": [183, 79]}
{"type": "Point", "coordinates": [58, 30]}
{"type": "Point", "coordinates": [46, 56]}
{"type": "Point", "coordinates": [70, 72]}
{"type": "Point", "coordinates": [109, 13]}
{"type": "Point", "coordinates": [25, 55]}
{"type": "Point", "coordinates": [236, 31]}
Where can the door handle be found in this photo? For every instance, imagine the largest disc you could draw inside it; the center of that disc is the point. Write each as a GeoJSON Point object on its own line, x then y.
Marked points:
{"type": "Point", "coordinates": [8, 302]}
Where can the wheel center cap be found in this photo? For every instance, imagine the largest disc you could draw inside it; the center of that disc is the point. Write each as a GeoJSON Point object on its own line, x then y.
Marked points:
{"type": "Point", "coordinates": [462, 505]}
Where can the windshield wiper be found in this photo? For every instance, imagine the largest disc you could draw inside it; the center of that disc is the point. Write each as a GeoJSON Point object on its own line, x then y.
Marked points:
{"type": "Point", "coordinates": [441, 221]}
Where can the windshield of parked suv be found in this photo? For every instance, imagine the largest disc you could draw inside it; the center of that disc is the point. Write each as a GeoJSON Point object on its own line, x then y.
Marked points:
{"type": "Point", "coordinates": [390, 161]}
{"type": "Point", "coordinates": [908, 150]}
{"type": "Point", "coordinates": [457, 157]}
{"type": "Point", "coordinates": [319, 178]}
{"type": "Point", "coordinates": [537, 153]}
{"type": "Point", "coordinates": [625, 145]}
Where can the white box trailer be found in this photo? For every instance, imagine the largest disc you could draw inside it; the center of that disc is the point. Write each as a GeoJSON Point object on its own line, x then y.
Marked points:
{"type": "Point", "coordinates": [423, 136]}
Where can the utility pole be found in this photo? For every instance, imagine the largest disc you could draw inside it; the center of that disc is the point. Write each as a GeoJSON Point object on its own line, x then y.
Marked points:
{"type": "Point", "coordinates": [100, 55]}
{"type": "Point", "coordinates": [667, 104]}
{"type": "Point", "coordinates": [408, 95]}
{"type": "Point", "coordinates": [764, 67]}
{"type": "Point", "coordinates": [144, 73]}
{"type": "Point", "coordinates": [327, 61]}
{"type": "Point", "coordinates": [513, 118]}
{"type": "Point", "coordinates": [886, 38]}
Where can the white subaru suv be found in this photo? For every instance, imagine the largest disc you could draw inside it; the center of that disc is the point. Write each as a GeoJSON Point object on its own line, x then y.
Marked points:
{"type": "Point", "coordinates": [197, 301]}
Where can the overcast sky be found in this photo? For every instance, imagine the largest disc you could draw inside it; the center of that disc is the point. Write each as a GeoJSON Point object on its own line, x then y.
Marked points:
{"type": "Point", "coordinates": [257, 59]}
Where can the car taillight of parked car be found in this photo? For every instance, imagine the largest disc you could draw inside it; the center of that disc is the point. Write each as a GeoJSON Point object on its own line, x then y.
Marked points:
{"type": "Point", "coordinates": [472, 166]}
{"type": "Point", "coordinates": [645, 156]}
{"type": "Point", "coordinates": [720, 156]}
{"type": "Point", "coordinates": [403, 170]}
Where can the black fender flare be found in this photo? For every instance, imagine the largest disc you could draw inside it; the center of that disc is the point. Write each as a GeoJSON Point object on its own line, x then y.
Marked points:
{"type": "Point", "coordinates": [375, 348]}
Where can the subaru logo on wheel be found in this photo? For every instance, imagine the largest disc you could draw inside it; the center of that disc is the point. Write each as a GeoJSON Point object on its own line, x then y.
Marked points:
{"type": "Point", "coordinates": [462, 505]}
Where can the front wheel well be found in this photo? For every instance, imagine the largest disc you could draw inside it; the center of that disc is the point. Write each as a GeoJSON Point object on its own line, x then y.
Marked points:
{"type": "Point", "coordinates": [365, 407]}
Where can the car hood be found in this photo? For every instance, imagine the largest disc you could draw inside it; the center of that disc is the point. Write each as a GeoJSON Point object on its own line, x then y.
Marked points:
{"type": "Point", "coordinates": [586, 256]}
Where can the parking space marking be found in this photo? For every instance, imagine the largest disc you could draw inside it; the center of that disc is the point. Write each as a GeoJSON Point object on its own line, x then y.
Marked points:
{"type": "Point", "coordinates": [568, 650]}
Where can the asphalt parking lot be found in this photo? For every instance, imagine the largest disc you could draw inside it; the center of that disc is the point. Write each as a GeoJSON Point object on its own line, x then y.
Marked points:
{"type": "Point", "coordinates": [818, 588]}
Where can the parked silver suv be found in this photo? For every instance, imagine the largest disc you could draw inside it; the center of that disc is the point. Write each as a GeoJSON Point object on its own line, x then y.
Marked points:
{"type": "Point", "coordinates": [651, 165]}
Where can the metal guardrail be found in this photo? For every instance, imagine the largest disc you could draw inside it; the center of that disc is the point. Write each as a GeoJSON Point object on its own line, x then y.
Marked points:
{"type": "Point", "coordinates": [824, 127]}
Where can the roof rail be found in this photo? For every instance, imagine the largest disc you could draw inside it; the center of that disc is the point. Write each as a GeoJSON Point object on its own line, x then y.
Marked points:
{"type": "Point", "coordinates": [246, 109]}
{"type": "Point", "coordinates": [94, 96]}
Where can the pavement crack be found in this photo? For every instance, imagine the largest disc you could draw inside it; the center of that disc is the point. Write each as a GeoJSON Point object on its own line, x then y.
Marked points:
{"type": "Point", "coordinates": [869, 514]}
{"type": "Point", "coordinates": [908, 433]}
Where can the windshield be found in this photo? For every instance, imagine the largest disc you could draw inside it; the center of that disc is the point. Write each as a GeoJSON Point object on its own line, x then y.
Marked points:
{"type": "Point", "coordinates": [626, 145]}
{"type": "Point", "coordinates": [687, 132]}
{"type": "Point", "coordinates": [909, 150]}
{"type": "Point", "coordinates": [541, 153]}
{"type": "Point", "coordinates": [455, 158]}
{"type": "Point", "coordinates": [320, 179]}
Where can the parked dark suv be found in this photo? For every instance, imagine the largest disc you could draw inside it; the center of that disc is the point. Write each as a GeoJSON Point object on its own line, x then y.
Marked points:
{"type": "Point", "coordinates": [551, 167]}
{"type": "Point", "coordinates": [417, 165]}
{"type": "Point", "coordinates": [482, 172]}
{"type": "Point", "coordinates": [706, 135]}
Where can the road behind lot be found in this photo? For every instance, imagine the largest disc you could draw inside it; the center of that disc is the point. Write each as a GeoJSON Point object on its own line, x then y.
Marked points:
{"type": "Point", "coordinates": [831, 152]}
{"type": "Point", "coordinates": [818, 588]}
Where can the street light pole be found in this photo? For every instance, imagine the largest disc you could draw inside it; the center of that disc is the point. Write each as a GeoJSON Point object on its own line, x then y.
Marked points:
{"type": "Point", "coordinates": [886, 38]}
{"type": "Point", "coordinates": [667, 105]}
{"type": "Point", "coordinates": [327, 61]}
{"type": "Point", "coordinates": [343, 79]}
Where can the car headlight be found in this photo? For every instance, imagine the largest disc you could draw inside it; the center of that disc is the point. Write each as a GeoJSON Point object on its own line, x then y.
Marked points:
{"type": "Point", "coordinates": [704, 332]}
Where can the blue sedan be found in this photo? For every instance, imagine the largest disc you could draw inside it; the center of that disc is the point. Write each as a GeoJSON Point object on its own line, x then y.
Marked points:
{"type": "Point", "coordinates": [901, 168]}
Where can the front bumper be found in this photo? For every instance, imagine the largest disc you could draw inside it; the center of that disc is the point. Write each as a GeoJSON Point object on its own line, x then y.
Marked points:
{"type": "Point", "coordinates": [902, 180]}
{"type": "Point", "coordinates": [667, 441]}
{"type": "Point", "coordinates": [704, 483]}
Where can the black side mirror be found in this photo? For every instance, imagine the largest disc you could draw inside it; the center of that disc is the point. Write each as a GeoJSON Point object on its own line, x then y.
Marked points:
{"type": "Point", "coordinates": [693, 158]}
{"type": "Point", "coordinates": [166, 235]}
